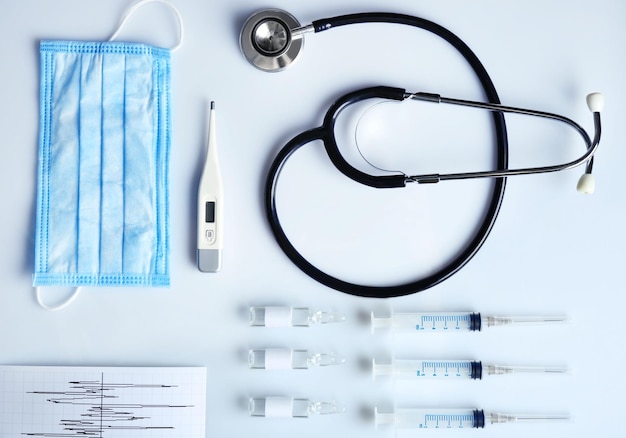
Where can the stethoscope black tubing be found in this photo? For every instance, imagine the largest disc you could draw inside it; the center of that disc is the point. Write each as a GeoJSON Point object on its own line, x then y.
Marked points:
{"type": "Point", "coordinates": [326, 134]}
{"type": "Point", "coordinates": [330, 143]}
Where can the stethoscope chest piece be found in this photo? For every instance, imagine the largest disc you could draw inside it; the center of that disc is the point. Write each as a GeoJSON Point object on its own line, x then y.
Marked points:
{"type": "Point", "coordinates": [266, 40]}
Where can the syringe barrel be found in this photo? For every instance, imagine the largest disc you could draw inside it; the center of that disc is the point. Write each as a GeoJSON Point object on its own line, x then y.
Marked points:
{"type": "Point", "coordinates": [408, 418]}
{"type": "Point", "coordinates": [403, 369]}
{"type": "Point", "coordinates": [428, 322]}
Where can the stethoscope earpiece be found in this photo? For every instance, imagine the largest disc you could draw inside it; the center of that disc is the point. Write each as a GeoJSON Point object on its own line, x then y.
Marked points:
{"type": "Point", "coordinates": [268, 42]}
{"type": "Point", "coordinates": [586, 184]}
{"type": "Point", "coordinates": [595, 102]}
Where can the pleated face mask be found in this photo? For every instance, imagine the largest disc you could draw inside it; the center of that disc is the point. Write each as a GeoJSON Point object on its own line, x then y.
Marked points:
{"type": "Point", "coordinates": [103, 173]}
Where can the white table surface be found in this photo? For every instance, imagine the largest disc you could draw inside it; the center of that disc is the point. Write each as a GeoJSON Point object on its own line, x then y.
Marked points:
{"type": "Point", "coordinates": [552, 250]}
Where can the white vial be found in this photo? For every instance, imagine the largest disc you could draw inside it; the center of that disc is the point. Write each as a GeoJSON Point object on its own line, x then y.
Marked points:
{"type": "Point", "coordinates": [287, 359]}
{"type": "Point", "coordinates": [287, 407]}
{"type": "Point", "coordinates": [284, 316]}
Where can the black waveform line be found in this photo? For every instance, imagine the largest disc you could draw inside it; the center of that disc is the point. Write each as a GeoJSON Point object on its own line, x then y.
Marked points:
{"type": "Point", "coordinates": [101, 413]}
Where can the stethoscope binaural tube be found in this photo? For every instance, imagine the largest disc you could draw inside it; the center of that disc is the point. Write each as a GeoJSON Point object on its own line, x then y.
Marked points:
{"type": "Point", "coordinates": [325, 133]}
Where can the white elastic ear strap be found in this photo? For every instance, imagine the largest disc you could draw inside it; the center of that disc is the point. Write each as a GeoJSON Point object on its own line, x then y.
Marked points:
{"type": "Point", "coordinates": [141, 3]}
{"type": "Point", "coordinates": [63, 305]}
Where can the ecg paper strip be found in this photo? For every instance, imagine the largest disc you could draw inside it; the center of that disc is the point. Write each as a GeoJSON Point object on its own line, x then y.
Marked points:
{"type": "Point", "coordinates": [102, 402]}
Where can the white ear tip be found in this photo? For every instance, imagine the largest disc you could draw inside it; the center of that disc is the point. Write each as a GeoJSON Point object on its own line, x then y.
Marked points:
{"type": "Point", "coordinates": [595, 102]}
{"type": "Point", "coordinates": [586, 184]}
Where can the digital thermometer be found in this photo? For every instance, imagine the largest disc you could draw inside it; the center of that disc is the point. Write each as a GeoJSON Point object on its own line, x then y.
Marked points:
{"type": "Point", "coordinates": [210, 206]}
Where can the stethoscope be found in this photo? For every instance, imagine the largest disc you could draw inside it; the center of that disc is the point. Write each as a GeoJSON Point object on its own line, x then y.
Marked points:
{"type": "Point", "coordinates": [272, 39]}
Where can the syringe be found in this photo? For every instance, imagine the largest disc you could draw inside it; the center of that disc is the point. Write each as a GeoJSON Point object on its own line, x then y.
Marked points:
{"type": "Point", "coordinates": [450, 369]}
{"type": "Point", "coordinates": [409, 418]}
{"type": "Point", "coordinates": [288, 359]}
{"type": "Point", "coordinates": [287, 407]}
{"type": "Point", "coordinates": [284, 316]}
{"type": "Point", "coordinates": [452, 321]}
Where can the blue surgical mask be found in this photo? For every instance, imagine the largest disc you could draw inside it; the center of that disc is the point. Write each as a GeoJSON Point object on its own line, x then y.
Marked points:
{"type": "Point", "coordinates": [103, 214]}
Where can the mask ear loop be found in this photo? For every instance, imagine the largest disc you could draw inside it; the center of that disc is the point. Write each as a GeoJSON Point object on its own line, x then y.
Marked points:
{"type": "Point", "coordinates": [63, 305]}
{"type": "Point", "coordinates": [141, 3]}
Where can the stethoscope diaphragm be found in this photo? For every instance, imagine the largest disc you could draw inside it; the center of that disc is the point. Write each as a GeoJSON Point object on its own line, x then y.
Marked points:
{"type": "Point", "coordinates": [267, 42]}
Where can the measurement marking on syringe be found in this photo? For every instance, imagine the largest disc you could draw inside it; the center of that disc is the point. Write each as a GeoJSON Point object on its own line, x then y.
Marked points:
{"type": "Point", "coordinates": [433, 368]}
{"type": "Point", "coordinates": [445, 420]}
{"type": "Point", "coordinates": [441, 321]}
